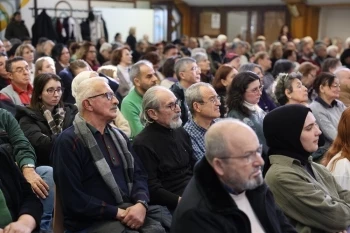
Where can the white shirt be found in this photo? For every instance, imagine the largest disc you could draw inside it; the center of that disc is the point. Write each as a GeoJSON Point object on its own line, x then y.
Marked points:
{"type": "Point", "coordinates": [341, 171]}
{"type": "Point", "coordinates": [243, 204]}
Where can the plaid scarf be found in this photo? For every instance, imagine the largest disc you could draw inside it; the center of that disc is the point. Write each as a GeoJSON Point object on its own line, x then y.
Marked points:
{"type": "Point", "coordinates": [84, 133]}
{"type": "Point", "coordinates": [55, 121]}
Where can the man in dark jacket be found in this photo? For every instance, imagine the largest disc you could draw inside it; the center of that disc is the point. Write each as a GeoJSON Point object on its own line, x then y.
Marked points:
{"type": "Point", "coordinates": [16, 28]}
{"type": "Point", "coordinates": [227, 193]}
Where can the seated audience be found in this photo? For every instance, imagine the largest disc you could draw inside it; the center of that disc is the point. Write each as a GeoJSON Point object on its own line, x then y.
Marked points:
{"type": "Point", "coordinates": [263, 60]}
{"type": "Point", "coordinates": [60, 54]}
{"type": "Point", "coordinates": [227, 193]}
{"type": "Point", "coordinates": [88, 53]}
{"type": "Point", "coordinates": [20, 209]}
{"type": "Point", "coordinates": [154, 58]}
{"type": "Point", "coordinates": [221, 83]}
{"type": "Point", "coordinates": [337, 157]}
{"type": "Point", "coordinates": [27, 52]}
{"type": "Point", "coordinates": [291, 55]}
{"type": "Point", "coordinates": [104, 53]}
{"type": "Point", "coordinates": [4, 78]}
{"type": "Point", "coordinates": [204, 66]}
{"type": "Point", "coordinates": [265, 102]}
{"type": "Point", "coordinates": [290, 90]}
{"type": "Point", "coordinates": [188, 73]}
{"type": "Point", "coordinates": [203, 103]}
{"type": "Point", "coordinates": [326, 108]}
{"type": "Point", "coordinates": [330, 65]}
{"type": "Point", "coordinates": [168, 71]}
{"type": "Point", "coordinates": [20, 90]}
{"type": "Point", "coordinates": [276, 53]}
{"type": "Point", "coordinates": [98, 176]}
{"type": "Point", "coordinates": [309, 72]}
{"type": "Point", "coordinates": [343, 74]}
{"type": "Point", "coordinates": [242, 102]}
{"type": "Point", "coordinates": [143, 77]}
{"type": "Point", "coordinates": [306, 192]}
{"type": "Point", "coordinates": [44, 65]}
{"type": "Point", "coordinates": [164, 147]}
{"type": "Point", "coordinates": [332, 51]}
{"type": "Point", "coordinates": [233, 60]}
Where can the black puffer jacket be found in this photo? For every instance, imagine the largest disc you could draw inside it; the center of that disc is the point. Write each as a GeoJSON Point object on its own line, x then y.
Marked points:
{"type": "Point", "coordinates": [37, 130]}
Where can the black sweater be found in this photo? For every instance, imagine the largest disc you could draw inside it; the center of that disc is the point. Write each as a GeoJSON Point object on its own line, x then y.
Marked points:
{"type": "Point", "coordinates": [167, 156]}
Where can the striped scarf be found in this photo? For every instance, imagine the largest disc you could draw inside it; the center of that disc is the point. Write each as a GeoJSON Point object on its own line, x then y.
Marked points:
{"type": "Point", "coordinates": [84, 133]}
{"type": "Point", "coordinates": [55, 121]}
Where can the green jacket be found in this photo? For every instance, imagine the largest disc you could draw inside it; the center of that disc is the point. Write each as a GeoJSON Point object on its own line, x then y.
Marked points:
{"type": "Point", "coordinates": [131, 109]}
{"type": "Point", "coordinates": [22, 150]}
{"type": "Point", "coordinates": [313, 205]}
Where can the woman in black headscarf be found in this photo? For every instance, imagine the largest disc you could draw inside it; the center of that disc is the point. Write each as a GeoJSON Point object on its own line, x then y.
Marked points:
{"type": "Point", "coordinates": [306, 192]}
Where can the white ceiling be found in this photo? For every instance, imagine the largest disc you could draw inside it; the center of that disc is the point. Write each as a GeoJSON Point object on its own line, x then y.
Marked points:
{"type": "Point", "coordinates": [256, 2]}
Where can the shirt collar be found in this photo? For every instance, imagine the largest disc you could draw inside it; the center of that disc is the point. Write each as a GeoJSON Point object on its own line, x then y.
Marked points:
{"type": "Point", "coordinates": [20, 91]}
{"type": "Point", "coordinates": [324, 104]}
{"type": "Point", "coordinates": [94, 130]}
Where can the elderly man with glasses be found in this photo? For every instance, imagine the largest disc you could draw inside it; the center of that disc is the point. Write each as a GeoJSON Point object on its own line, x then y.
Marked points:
{"type": "Point", "coordinates": [164, 147]}
{"type": "Point", "coordinates": [203, 103]}
{"type": "Point", "coordinates": [98, 176]}
{"type": "Point", "coordinates": [20, 89]}
{"type": "Point", "coordinates": [227, 193]}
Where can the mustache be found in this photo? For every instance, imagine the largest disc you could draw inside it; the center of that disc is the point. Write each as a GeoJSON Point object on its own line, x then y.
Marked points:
{"type": "Point", "coordinates": [114, 108]}
{"type": "Point", "coordinates": [178, 115]}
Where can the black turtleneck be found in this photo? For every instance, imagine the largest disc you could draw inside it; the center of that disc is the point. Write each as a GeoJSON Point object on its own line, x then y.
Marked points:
{"type": "Point", "coordinates": [168, 159]}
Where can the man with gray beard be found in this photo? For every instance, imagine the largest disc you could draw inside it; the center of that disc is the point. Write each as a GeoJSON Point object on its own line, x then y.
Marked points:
{"type": "Point", "coordinates": [164, 147]}
{"type": "Point", "coordinates": [227, 193]}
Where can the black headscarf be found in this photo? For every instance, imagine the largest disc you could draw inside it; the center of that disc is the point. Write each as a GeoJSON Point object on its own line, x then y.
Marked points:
{"type": "Point", "coordinates": [282, 129]}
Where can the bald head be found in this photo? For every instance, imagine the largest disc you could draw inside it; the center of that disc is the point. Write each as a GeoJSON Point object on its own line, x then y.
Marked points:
{"type": "Point", "coordinates": [226, 136]}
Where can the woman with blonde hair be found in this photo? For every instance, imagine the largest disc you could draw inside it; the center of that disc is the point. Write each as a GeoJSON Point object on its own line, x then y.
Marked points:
{"type": "Point", "coordinates": [27, 52]}
{"type": "Point", "coordinates": [337, 158]}
{"type": "Point", "coordinates": [44, 65]}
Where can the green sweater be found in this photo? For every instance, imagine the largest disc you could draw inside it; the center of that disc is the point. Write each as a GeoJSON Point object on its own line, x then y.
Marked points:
{"type": "Point", "coordinates": [22, 150]}
{"type": "Point", "coordinates": [131, 109]}
{"type": "Point", "coordinates": [313, 205]}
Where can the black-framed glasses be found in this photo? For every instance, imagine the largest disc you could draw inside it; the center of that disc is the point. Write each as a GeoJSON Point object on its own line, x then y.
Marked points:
{"type": "Point", "coordinates": [249, 157]}
{"type": "Point", "coordinates": [173, 105]}
{"type": "Point", "coordinates": [21, 69]}
{"type": "Point", "coordinates": [212, 100]}
{"type": "Point", "coordinates": [51, 90]}
{"type": "Point", "coordinates": [108, 95]}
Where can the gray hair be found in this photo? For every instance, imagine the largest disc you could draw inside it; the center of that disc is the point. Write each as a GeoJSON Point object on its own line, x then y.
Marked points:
{"type": "Point", "coordinates": [150, 100]}
{"type": "Point", "coordinates": [181, 65]}
{"type": "Point", "coordinates": [319, 46]}
{"type": "Point", "coordinates": [135, 70]}
{"type": "Point", "coordinates": [105, 46]}
{"type": "Point", "coordinates": [332, 48]}
{"type": "Point", "coordinates": [257, 45]}
{"type": "Point", "coordinates": [200, 57]}
{"type": "Point", "coordinates": [193, 94]}
{"type": "Point", "coordinates": [79, 79]}
{"type": "Point", "coordinates": [87, 89]}
{"type": "Point", "coordinates": [195, 51]}
{"type": "Point", "coordinates": [284, 82]}
{"type": "Point", "coordinates": [249, 67]}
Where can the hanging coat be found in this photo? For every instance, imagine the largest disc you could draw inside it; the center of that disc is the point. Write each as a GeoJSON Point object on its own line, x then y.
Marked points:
{"type": "Point", "coordinates": [43, 28]}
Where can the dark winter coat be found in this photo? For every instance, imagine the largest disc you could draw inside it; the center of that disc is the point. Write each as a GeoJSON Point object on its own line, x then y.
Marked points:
{"type": "Point", "coordinates": [16, 30]}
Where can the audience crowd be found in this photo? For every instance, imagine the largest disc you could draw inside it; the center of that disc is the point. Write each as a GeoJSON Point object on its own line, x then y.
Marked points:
{"type": "Point", "coordinates": [193, 135]}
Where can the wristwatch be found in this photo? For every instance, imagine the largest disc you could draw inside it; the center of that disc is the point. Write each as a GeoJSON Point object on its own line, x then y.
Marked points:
{"type": "Point", "coordinates": [144, 203]}
{"type": "Point", "coordinates": [28, 166]}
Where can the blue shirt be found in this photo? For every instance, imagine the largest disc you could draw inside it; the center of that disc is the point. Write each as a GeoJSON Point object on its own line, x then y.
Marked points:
{"type": "Point", "coordinates": [196, 133]}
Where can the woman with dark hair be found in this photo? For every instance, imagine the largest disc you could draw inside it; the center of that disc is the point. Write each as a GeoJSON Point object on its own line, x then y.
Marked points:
{"type": "Point", "coordinates": [309, 72]}
{"type": "Point", "coordinates": [345, 58]}
{"type": "Point", "coordinates": [46, 117]}
{"type": "Point", "coordinates": [169, 72]}
{"type": "Point", "coordinates": [265, 102]}
{"type": "Point", "coordinates": [88, 53]}
{"type": "Point", "coordinates": [242, 101]}
{"type": "Point", "coordinates": [122, 59]}
{"type": "Point", "coordinates": [326, 107]}
{"type": "Point", "coordinates": [154, 58]}
{"type": "Point", "coordinates": [60, 54]}
{"type": "Point", "coordinates": [285, 32]}
{"type": "Point", "coordinates": [221, 83]}
{"type": "Point", "coordinates": [306, 191]}
{"type": "Point", "coordinates": [330, 65]}
{"type": "Point", "coordinates": [337, 158]}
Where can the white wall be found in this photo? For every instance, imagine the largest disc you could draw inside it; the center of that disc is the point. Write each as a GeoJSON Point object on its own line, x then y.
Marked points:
{"type": "Point", "coordinates": [334, 22]}
{"type": "Point", "coordinates": [236, 24]}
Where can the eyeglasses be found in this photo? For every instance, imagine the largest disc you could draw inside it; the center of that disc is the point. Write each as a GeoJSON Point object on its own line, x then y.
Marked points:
{"type": "Point", "coordinates": [257, 89]}
{"type": "Point", "coordinates": [108, 95]}
{"type": "Point", "coordinates": [21, 69]}
{"type": "Point", "coordinates": [173, 105]}
{"type": "Point", "coordinates": [51, 90]}
{"type": "Point", "coordinates": [212, 100]}
{"type": "Point", "coordinates": [335, 85]}
{"type": "Point", "coordinates": [248, 158]}
{"type": "Point", "coordinates": [194, 68]}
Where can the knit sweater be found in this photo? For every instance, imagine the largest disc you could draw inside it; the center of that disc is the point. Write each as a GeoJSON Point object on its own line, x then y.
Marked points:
{"type": "Point", "coordinates": [131, 109]}
{"type": "Point", "coordinates": [327, 117]}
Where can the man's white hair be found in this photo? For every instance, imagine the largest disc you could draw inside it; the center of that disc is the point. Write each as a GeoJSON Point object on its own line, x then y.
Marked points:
{"type": "Point", "coordinates": [80, 78]}
{"type": "Point", "coordinates": [86, 89]}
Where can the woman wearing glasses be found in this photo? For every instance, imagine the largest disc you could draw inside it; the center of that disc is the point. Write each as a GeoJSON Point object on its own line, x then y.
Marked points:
{"type": "Point", "coordinates": [242, 102]}
{"type": "Point", "coordinates": [326, 108]}
{"type": "Point", "coordinates": [46, 116]}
